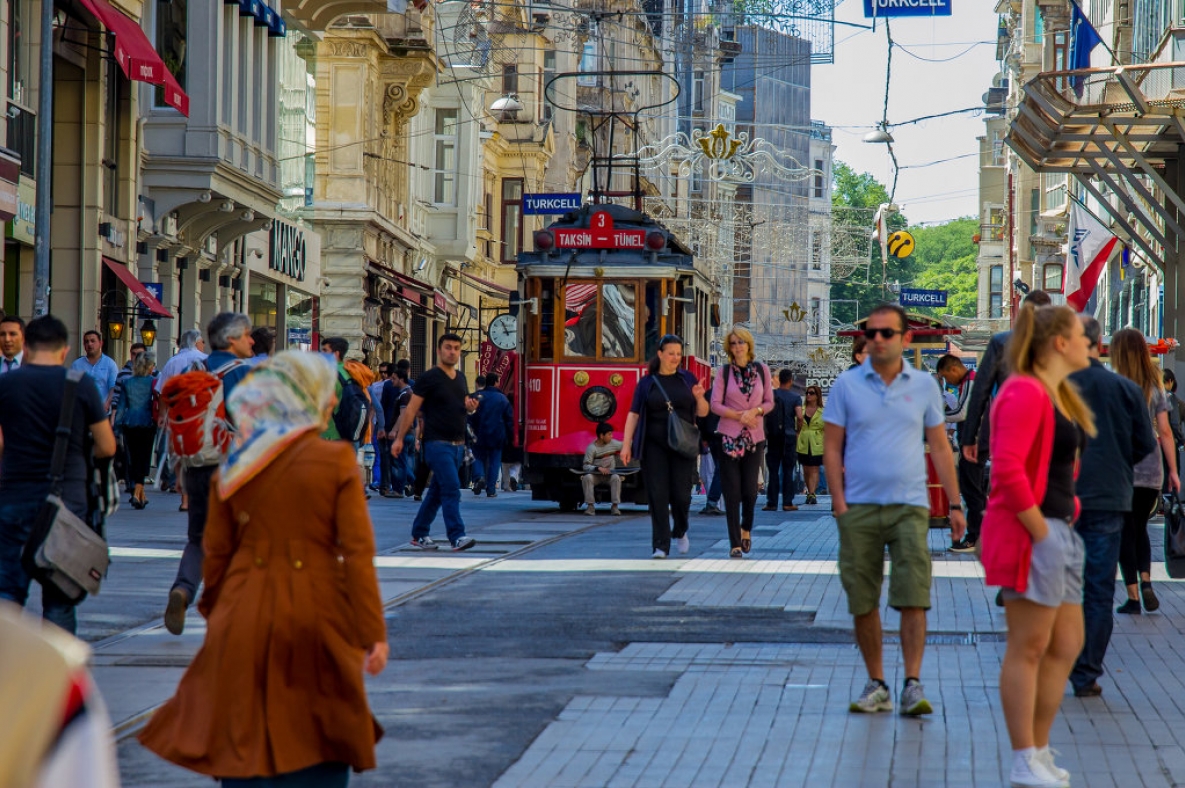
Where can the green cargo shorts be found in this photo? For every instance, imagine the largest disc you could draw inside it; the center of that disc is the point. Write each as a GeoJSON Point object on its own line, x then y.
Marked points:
{"type": "Point", "coordinates": [864, 530]}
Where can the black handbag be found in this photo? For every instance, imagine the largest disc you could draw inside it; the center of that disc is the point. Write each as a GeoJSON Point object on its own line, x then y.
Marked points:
{"type": "Point", "coordinates": [682, 436]}
{"type": "Point", "coordinates": [62, 549]}
{"type": "Point", "coordinates": [1174, 536]}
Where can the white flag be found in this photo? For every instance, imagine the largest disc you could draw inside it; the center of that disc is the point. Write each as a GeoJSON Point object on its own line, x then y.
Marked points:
{"type": "Point", "coordinates": [1091, 246]}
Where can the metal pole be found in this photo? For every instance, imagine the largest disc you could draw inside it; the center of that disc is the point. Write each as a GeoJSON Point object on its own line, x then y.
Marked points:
{"type": "Point", "coordinates": [44, 171]}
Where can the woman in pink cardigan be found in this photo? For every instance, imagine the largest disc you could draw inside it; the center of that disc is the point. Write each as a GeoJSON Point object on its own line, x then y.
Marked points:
{"type": "Point", "coordinates": [742, 395]}
{"type": "Point", "coordinates": [1038, 423]}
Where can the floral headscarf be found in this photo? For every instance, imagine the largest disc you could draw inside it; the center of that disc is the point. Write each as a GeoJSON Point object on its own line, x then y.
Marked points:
{"type": "Point", "coordinates": [280, 400]}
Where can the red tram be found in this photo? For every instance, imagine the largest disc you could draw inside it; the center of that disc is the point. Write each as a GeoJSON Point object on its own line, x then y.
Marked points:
{"type": "Point", "coordinates": [602, 286]}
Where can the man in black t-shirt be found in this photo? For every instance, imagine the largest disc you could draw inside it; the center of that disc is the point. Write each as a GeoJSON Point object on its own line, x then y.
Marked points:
{"type": "Point", "coordinates": [781, 435]}
{"type": "Point", "coordinates": [30, 406]}
{"type": "Point", "coordinates": [443, 396]}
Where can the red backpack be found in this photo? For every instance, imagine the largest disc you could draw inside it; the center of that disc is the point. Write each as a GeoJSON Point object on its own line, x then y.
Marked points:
{"type": "Point", "coordinates": [199, 432]}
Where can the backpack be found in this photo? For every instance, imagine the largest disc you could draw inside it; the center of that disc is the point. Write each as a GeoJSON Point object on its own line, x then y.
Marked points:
{"type": "Point", "coordinates": [197, 427]}
{"type": "Point", "coordinates": [351, 418]}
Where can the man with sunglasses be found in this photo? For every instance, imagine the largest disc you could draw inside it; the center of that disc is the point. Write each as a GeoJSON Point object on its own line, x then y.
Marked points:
{"type": "Point", "coordinates": [877, 417]}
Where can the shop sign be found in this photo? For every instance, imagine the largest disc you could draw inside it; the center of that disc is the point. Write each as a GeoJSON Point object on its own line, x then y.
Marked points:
{"type": "Point", "coordinates": [24, 224]}
{"type": "Point", "coordinates": [440, 302]}
{"type": "Point", "coordinates": [158, 292]}
{"type": "Point", "coordinates": [289, 250]}
{"type": "Point", "coordinates": [300, 336]}
{"type": "Point", "coordinates": [535, 204]}
{"type": "Point", "coordinates": [372, 324]}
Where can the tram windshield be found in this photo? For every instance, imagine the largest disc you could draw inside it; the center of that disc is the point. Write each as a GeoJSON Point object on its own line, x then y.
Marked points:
{"type": "Point", "coordinates": [616, 321]}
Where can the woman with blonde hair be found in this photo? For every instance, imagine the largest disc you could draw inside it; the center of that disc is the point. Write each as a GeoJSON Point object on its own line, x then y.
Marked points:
{"type": "Point", "coordinates": [1038, 428]}
{"type": "Point", "coordinates": [1130, 358]}
{"type": "Point", "coordinates": [743, 395]}
{"type": "Point", "coordinates": [275, 695]}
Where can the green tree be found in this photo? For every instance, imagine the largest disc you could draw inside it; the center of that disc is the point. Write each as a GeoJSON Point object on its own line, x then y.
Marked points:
{"type": "Point", "coordinates": [944, 258]}
{"type": "Point", "coordinates": [855, 297]}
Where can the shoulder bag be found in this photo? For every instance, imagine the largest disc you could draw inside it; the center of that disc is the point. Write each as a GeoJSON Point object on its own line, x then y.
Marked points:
{"type": "Point", "coordinates": [1174, 536]}
{"type": "Point", "coordinates": [682, 437]}
{"type": "Point", "coordinates": [62, 549]}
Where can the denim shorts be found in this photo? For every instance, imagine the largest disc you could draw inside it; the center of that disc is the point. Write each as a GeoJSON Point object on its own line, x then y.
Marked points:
{"type": "Point", "coordinates": [1055, 569]}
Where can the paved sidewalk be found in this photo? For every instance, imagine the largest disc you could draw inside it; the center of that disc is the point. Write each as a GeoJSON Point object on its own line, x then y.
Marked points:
{"type": "Point", "coordinates": [754, 714]}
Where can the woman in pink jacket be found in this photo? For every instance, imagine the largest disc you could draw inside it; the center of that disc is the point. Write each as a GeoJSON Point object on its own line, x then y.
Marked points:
{"type": "Point", "coordinates": [741, 397]}
{"type": "Point", "coordinates": [1038, 423]}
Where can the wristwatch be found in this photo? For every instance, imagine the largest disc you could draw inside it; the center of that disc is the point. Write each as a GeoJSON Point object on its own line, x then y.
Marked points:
{"type": "Point", "coordinates": [958, 506]}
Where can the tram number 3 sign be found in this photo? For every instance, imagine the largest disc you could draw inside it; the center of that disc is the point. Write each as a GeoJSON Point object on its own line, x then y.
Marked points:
{"type": "Point", "coordinates": [600, 235]}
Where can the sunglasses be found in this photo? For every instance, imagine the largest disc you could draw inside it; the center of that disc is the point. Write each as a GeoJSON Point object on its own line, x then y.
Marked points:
{"type": "Point", "coordinates": [886, 333]}
{"type": "Point", "coordinates": [668, 339]}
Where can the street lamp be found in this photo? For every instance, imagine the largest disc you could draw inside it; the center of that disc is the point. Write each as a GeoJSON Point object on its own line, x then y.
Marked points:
{"type": "Point", "coordinates": [148, 333]}
{"type": "Point", "coordinates": [881, 135]}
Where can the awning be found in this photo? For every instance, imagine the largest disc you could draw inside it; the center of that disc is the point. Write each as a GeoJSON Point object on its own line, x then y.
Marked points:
{"type": "Point", "coordinates": [137, 287]}
{"type": "Point", "coordinates": [1114, 130]}
{"type": "Point", "coordinates": [490, 288]}
{"type": "Point", "coordinates": [135, 53]}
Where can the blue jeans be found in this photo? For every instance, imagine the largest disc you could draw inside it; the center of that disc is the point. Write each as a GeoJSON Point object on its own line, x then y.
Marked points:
{"type": "Point", "coordinates": [715, 488]}
{"type": "Point", "coordinates": [16, 523]}
{"type": "Point", "coordinates": [444, 491]}
{"type": "Point", "coordinates": [1101, 532]}
{"type": "Point", "coordinates": [376, 475]}
{"type": "Point", "coordinates": [491, 463]}
{"type": "Point", "coordinates": [409, 459]}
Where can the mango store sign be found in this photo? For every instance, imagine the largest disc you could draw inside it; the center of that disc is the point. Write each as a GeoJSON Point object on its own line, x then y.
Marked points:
{"type": "Point", "coordinates": [893, 8]}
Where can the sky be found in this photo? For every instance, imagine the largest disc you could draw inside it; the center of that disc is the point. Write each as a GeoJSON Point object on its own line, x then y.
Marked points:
{"type": "Point", "coordinates": [849, 96]}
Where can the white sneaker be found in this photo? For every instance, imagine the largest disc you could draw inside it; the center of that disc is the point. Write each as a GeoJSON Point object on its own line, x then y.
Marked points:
{"type": "Point", "coordinates": [658, 555]}
{"type": "Point", "coordinates": [683, 544]}
{"type": "Point", "coordinates": [1046, 754]}
{"type": "Point", "coordinates": [1029, 771]}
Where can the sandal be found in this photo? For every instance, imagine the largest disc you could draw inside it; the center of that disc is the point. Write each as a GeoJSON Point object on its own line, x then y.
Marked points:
{"type": "Point", "coordinates": [735, 553]}
{"type": "Point", "coordinates": [746, 542]}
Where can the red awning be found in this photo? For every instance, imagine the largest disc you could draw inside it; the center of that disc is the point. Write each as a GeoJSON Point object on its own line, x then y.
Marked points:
{"type": "Point", "coordinates": [137, 287]}
{"type": "Point", "coordinates": [135, 53]}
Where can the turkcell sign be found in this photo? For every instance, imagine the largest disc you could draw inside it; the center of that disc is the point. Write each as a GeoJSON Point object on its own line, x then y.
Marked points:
{"type": "Point", "coordinates": [923, 297]}
{"type": "Point", "coordinates": [538, 204]}
{"type": "Point", "coordinates": [886, 8]}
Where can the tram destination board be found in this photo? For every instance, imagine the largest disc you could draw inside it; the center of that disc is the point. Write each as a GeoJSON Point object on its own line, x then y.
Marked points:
{"type": "Point", "coordinates": [600, 234]}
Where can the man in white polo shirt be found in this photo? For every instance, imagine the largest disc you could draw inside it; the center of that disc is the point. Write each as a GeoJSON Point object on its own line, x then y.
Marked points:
{"type": "Point", "coordinates": [877, 417]}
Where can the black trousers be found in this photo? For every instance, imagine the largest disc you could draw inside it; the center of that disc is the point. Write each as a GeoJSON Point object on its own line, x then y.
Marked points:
{"type": "Point", "coordinates": [139, 441]}
{"type": "Point", "coordinates": [1135, 549]}
{"type": "Point", "coordinates": [739, 482]}
{"type": "Point", "coordinates": [197, 488]}
{"type": "Point", "coordinates": [667, 477]}
{"type": "Point", "coordinates": [780, 458]}
{"type": "Point", "coordinates": [973, 487]}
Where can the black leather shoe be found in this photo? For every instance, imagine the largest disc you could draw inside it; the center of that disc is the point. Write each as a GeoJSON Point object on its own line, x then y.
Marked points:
{"type": "Point", "coordinates": [1092, 690]}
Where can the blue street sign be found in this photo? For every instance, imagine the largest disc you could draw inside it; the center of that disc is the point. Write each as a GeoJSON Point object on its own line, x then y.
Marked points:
{"type": "Point", "coordinates": [911, 297]}
{"type": "Point", "coordinates": [300, 336]}
{"type": "Point", "coordinates": [158, 292]}
{"type": "Point", "coordinates": [887, 8]}
{"type": "Point", "coordinates": [535, 204]}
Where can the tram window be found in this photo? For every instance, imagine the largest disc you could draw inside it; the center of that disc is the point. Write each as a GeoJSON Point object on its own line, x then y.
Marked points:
{"type": "Point", "coordinates": [652, 311]}
{"type": "Point", "coordinates": [546, 320]}
{"type": "Point", "coordinates": [580, 319]}
{"type": "Point", "coordinates": [618, 320]}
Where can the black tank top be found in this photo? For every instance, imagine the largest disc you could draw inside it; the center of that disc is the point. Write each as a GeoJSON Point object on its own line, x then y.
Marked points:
{"type": "Point", "coordinates": [1059, 494]}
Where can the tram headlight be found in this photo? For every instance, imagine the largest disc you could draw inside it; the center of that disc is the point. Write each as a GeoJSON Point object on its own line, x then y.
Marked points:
{"type": "Point", "coordinates": [598, 404]}
{"type": "Point", "coordinates": [656, 241]}
{"type": "Point", "coordinates": [544, 240]}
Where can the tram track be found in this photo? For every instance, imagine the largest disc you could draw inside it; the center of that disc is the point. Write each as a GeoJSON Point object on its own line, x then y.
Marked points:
{"type": "Point", "coordinates": [128, 728]}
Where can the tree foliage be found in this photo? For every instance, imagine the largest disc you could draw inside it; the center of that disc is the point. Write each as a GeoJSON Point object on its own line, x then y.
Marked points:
{"type": "Point", "coordinates": [856, 296]}
{"type": "Point", "coordinates": [945, 258]}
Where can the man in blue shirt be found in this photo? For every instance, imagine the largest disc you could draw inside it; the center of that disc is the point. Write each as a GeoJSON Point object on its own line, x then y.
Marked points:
{"type": "Point", "coordinates": [875, 422]}
{"type": "Point", "coordinates": [102, 368]}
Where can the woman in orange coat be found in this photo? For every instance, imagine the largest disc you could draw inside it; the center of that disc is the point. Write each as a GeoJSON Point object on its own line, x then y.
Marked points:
{"type": "Point", "coordinates": [275, 696]}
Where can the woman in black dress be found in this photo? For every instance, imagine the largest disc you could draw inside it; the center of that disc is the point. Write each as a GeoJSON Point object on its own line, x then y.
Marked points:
{"type": "Point", "coordinates": [666, 474]}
